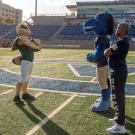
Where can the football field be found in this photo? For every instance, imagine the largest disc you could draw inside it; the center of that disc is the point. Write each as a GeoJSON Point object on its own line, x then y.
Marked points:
{"type": "Point", "coordinates": [65, 87]}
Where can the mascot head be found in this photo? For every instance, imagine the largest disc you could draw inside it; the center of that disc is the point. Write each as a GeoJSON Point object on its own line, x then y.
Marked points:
{"type": "Point", "coordinates": [102, 24]}
{"type": "Point", "coordinates": [23, 30]}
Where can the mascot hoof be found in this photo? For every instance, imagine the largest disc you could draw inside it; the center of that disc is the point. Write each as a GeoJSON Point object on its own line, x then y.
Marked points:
{"type": "Point", "coordinates": [99, 100]}
{"type": "Point", "coordinates": [101, 106]}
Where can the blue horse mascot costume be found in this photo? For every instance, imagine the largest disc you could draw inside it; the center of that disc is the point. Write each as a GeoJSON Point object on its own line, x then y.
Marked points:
{"type": "Point", "coordinates": [102, 25]}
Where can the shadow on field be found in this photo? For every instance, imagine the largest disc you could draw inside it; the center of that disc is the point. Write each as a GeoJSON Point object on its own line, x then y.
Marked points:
{"type": "Point", "coordinates": [108, 114]}
{"type": "Point", "coordinates": [130, 125]}
{"type": "Point", "coordinates": [50, 128]}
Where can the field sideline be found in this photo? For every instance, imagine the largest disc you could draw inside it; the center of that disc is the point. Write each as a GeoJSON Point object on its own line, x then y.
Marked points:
{"type": "Point", "coordinates": [57, 113]}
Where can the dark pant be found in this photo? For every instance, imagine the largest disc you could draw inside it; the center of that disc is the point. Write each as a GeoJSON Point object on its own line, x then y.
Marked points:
{"type": "Point", "coordinates": [118, 80]}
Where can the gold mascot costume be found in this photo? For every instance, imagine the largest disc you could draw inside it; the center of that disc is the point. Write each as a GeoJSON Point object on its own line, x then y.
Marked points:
{"type": "Point", "coordinates": [26, 47]}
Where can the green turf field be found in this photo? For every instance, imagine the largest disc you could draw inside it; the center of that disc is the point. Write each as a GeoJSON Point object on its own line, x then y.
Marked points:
{"type": "Point", "coordinates": [75, 118]}
{"type": "Point", "coordinates": [55, 69]}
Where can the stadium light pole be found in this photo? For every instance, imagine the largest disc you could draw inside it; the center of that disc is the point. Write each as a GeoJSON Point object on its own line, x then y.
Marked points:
{"type": "Point", "coordinates": [35, 7]}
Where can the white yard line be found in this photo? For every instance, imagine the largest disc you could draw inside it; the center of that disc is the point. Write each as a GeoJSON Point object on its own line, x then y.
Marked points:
{"type": "Point", "coordinates": [82, 96]}
{"type": "Point", "coordinates": [93, 79]}
{"type": "Point", "coordinates": [38, 94]}
{"type": "Point", "coordinates": [74, 71]}
{"type": "Point", "coordinates": [131, 73]}
{"type": "Point", "coordinates": [6, 92]}
{"type": "Point", "coordinates": [64, 92]}
{"type": "Point", "coordinates": [72, 56]}
{"type": "Point", "coordinates": [131, 55]}
{"type": "Point", "coordinates": [5, 69]}
{"type": "Point", "coordinates": [86, 76]}
{"type": "Point", "coordinates": [50, 116]}
{"type": "Point", "coordinates": [43, 60]}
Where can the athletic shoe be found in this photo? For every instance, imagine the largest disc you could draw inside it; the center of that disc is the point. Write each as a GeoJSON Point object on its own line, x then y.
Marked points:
{"type": "Point", "coordinates": [115, 129]}
{"type": "Point", "coordinates": [17, 100]}
{"type": "Point", "coordinates": [27, 96]}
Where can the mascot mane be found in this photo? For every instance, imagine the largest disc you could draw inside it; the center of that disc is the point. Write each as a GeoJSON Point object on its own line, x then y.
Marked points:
{"type": "Point", "coordinates": [23, 30]}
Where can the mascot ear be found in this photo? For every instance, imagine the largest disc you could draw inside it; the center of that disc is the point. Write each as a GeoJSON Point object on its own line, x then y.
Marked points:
{"type": "Point", "coordinates": [106, 14]}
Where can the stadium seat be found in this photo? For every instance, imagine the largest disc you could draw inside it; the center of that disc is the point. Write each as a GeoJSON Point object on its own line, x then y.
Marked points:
{"type": "Point", "coordinates": [75, 32]}
{"type": "Point", "coordinates": [43, 32]}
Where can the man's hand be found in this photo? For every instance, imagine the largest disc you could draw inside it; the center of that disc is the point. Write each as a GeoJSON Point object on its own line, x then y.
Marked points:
{"type": "Point", "coordinates": [108, 52]}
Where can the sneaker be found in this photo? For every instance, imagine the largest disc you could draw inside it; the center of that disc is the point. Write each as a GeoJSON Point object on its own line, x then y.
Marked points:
{"type": "Point", "coordinates": [17, 100]}
{"type": "Point", "coordinates": [27, 96]}
{"type": "Point", "coordinates": [115, 129]}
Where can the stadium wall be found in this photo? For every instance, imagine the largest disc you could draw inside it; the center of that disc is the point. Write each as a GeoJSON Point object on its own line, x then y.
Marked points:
{"type": "Point", "coordinates": [46, 20]}
{"type": "Point", "coordinates": [74, 44]}
{"type": "Point", "coordinates": [68, 44]}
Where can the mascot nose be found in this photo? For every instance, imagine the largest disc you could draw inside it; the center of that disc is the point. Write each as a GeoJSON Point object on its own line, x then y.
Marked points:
{"type": "Point", "coordinates": [89, 25]}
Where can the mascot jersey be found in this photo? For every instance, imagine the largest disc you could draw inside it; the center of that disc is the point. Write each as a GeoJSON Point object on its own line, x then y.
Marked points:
{"type": "Point", "coordinates": [26, 52]}
{"type": "Point", "coordinates": [101, 43]}
{"type": "Point", "coordinates": [102, 25]}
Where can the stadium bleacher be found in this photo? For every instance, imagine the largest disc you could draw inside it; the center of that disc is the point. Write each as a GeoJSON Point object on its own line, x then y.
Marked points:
{"type": "Point", "coordinates": [75, 32]}
{"type": "Point", "coordinates": [39, 31]}
{"type": "Point", "coordinates": [5, 29]}
{"type": "Point", "coordinates": [132, 31]}
{"type": "Point", "coordinates": [43, 32]}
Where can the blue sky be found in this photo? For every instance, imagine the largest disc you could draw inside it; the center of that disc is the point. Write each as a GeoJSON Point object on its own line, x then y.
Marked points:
{"type": "Point", "coordinates": [44, 6]}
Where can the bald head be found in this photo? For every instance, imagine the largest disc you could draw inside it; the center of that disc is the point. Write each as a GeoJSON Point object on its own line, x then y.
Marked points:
{"type": "Point", "coordinates": [124, 27]}
{"type": "Point", "coordinates": [122, 30]}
